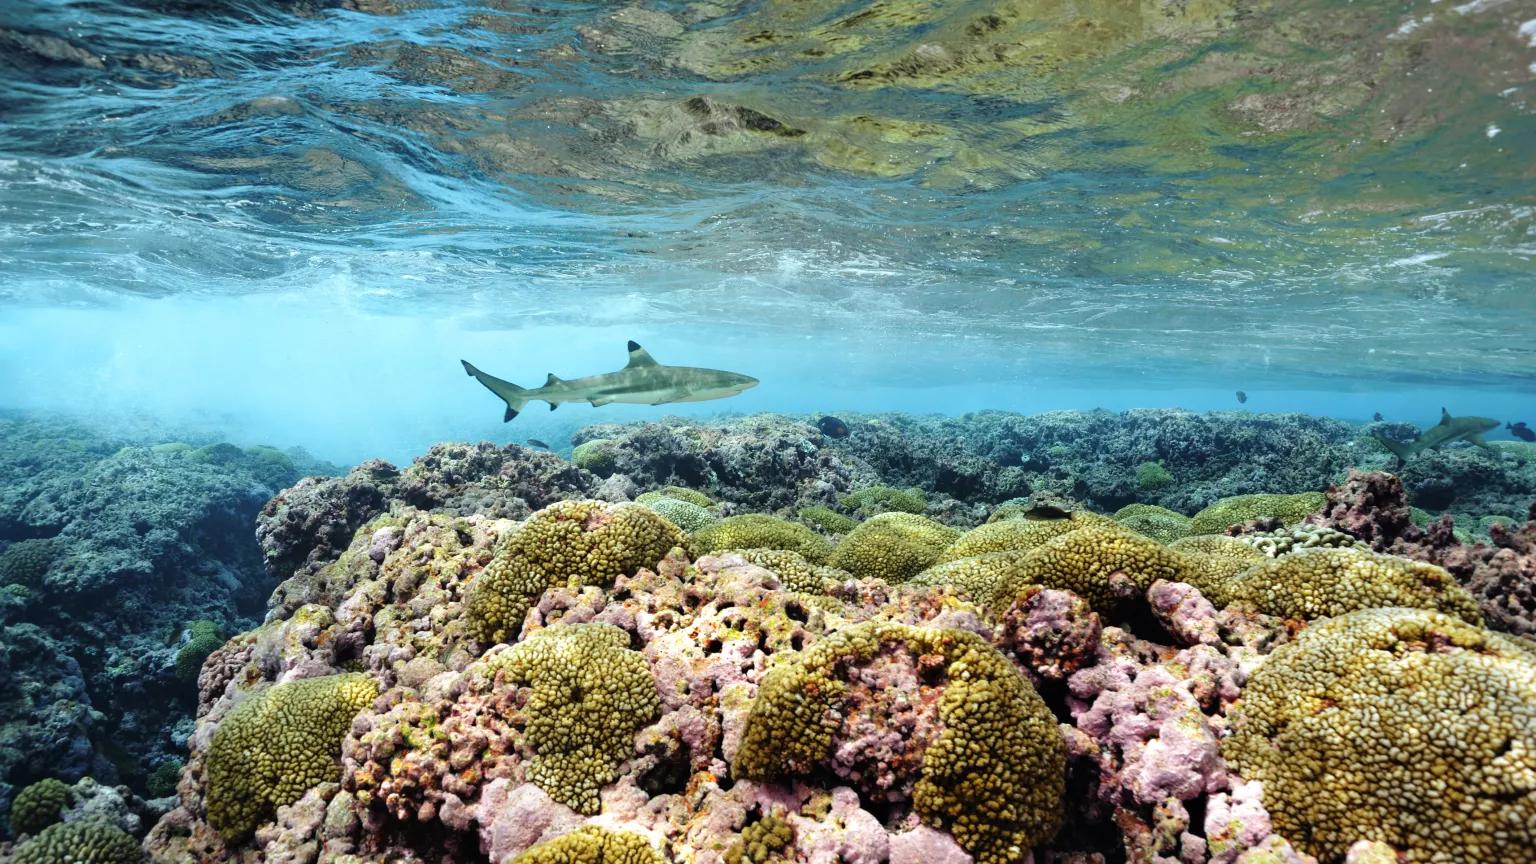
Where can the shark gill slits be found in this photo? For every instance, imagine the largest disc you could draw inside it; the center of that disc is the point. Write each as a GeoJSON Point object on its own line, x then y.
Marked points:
{"type": "Point", "coordinates": [832, 427]}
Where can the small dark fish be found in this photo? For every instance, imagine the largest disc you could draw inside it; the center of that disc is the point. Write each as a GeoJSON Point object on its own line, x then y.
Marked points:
{"type": "Point", "coordinates": [1241, 397]}
{"type": "Point", "coordinates": [1376, 417]}
{"type": "Point", "coordinates": [537, 444]}
{"type": "Point", "coordinates": [1521, 431]}
{"type": "Point", "coordinates": [832, 427]}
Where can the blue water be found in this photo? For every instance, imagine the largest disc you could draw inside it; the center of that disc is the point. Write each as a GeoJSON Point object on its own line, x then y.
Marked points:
{"type": "Point", "coordinates": [287, 221]}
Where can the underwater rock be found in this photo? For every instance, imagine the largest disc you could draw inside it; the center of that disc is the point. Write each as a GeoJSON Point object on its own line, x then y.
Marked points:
{"type": "Point", "coordinates": [1500, 574]}
{"type": "Point", "coordinates": [115, 548]}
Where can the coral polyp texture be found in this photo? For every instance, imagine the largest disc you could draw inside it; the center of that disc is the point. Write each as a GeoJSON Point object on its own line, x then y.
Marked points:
{"type": "Point", "coordinates": [759, 531]}
{"type": "Point", "coordinates": [1227, 512]}
{"type": "Point", "coordinates": [1402, 726]}
{"type": "Point", "coordinates": [992, 773]}
{"type": "Point", "coordinates": [278, 744]}
{"type": "Point", "coordinates": [893, 546]}
{"type": "Point", "coordinates": [588, 695]}
{"type": "Point", "coordinates": [1323, 582]}
{"type": "Point", "coordinates": [80, 843]}
{"type": "Point", "coordinates": [489, 656]}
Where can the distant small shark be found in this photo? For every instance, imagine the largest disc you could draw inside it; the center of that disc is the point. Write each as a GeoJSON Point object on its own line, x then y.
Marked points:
{"type": "Point", "coordinates": [642, 381]}
{"type": "Point", "coordinates": [1469, 429]}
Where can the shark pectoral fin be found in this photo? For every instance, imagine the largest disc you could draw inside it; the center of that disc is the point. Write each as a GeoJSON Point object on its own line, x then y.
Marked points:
{"type": "Point", "coordinates": [1478, 440]}
{"type": "Point", "coordinates": [639, 356]}
{"type": "Point", "coordinates": [599, 401]}
{"type": "Point", "coordinates": [554, 405]}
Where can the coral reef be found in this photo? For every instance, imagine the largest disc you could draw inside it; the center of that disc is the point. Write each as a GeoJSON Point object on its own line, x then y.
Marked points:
{"type": "Point", "coordinates": [39, 805]}
{"type": "Point", "coordinates": [1405, 727]}
{"type": "Point", "coordinates": [276, 745]}
{"type": "Point", "coordinates": [1500, 574]}
{"type": "Point", "coordinates": [80, 843]}
{"type": "Point", "coordinates": [759, 531]}
{"type": "Point", "coordinates": [892, 546]}
{"type": "Point", "coordinates": [110, 545]}
{"type": "Point", "coordinates": [991, 773]}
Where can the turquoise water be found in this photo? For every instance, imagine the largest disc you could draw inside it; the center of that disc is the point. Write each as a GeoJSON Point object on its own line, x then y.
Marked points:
{"type": "Point", "coordinates": [288, 221]}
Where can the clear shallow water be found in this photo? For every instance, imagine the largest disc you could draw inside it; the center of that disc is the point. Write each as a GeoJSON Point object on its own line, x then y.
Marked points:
{"type": "Point", "coordinates": [290, 219]}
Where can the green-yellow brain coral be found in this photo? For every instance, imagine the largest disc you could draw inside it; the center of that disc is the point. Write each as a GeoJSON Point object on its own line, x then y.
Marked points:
{"type": "Point", "coordinates": [591, 693]}
{"type": "Point", "coordinates": [500, 596]}
{"type": "Point", "coordinates": [886, 499]}
{"type": "Point", "coordinates": [1103, 564]}
{"type": "Point", "coordinates": [80, 843]}
{"type": "Point", "coordinates": [204, 637]}
{"type": "Point", "coordinates": [761, 842]}
{"type": "Point", "coordinates": [988, 579]}
{"type": "Point", "coordinates": [684, 514]}
{"type": "Point", "coordinates": [1159, 523]}
{"type": "Point", "coordinates": [893, 546]}
{"type": "Point", "coordinates": [759, 531]}
{"type": "Point", "coordinates": [1241, 508]}
{"type": "Point", "coordinates": [679, 493]}
{"type": "Point", "coordinates": [1401, 726]}
{"type": "Point", "coordinates": [826, 519]}
{"type": "Point", "coordinates": [592, 542]}
{"type": "Point", "coordinates": [1325, 581]}
{"type": "Point", "coordinates": [591, 845]}
{"type": "Point", "coordinates": [796, 573]}
{"type": "Point", "coordinates": [1216, 561]}
{"type": "Point", "coordinates": [994, 776]}
{"type": "Point", "coordinates": [39, 805]}
{"type": "Point", "coordinates": [1015, 535]}
{"type": "Point", "coordinates": [276, 745]}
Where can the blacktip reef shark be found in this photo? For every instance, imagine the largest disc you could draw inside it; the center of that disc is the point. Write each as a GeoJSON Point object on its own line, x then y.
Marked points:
{"type": "Point", "coordinates": [642, 381]}
{"type": "Point", "coordinates": [1469, 429]}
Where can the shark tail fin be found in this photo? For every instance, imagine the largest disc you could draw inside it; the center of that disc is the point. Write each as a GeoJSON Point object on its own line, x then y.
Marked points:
{"type": "Point", "coordinates": [510, 393]}
{"type": "Point", "coordinates": [1399, 449]}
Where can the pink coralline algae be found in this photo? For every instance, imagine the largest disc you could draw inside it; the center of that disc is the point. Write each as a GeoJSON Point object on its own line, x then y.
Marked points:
{"type": "Point", "coordinates": [1501, 574]}
{"type": "Point", "coordinates": [644, 718]}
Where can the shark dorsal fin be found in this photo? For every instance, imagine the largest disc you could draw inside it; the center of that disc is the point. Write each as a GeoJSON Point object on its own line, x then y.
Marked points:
{"type": "Point", "coordinates": [639, 356]}
{"type": "Point", "coordinates": [1445, 417]}
{"type": "Point", "coordinates": [552, 380]}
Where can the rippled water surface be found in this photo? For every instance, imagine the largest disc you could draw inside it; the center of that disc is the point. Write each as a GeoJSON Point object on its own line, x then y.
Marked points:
{"type": "Point", "coordinates": [1318, 193]}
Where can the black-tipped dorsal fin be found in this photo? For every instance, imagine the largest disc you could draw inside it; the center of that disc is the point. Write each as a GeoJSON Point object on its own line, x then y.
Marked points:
{"type": "Point", "coordinates": [552, 380]}
{"type": "Point", "coordinates": [1445, 417]}
{"type": "Point", "coordinates": [639, 356]}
